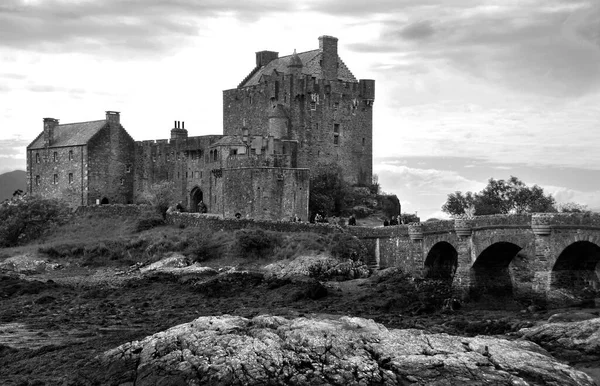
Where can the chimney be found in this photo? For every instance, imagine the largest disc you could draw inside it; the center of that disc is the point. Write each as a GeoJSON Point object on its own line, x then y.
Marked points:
{"type": "Point", "coordinates": [178, 132]}
{"type": "Point", "coordinates": [329, 57]}
{"type": "Point", "coordinates": [49, 126]}
{"type": "Point", "coordinates": [183, 125]}
{"type": "Point", "coordinates": [264, 57]}
{"type": "Point", "coordinates": [113, 118]}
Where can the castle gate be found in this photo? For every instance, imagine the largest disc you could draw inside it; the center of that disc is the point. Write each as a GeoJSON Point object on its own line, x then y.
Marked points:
{"type": "Point", "coordinates": [196, 196]}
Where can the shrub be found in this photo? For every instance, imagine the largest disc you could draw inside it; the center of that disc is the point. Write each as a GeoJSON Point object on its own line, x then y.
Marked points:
{"type": "Point", "coordinates": [208, 247]}
{"type": "Point", "coordinates": [160, 196]}
{"type": "Point", "coordinates": [25, 218]}
{"type": "Point", "coordinates": [257, 243]}
{"type": "Point", "coordinates": [345, 246]}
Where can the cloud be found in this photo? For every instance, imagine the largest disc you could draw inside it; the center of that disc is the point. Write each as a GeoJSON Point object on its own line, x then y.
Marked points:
{"type": "Point", "coordinates": [533, 47]}
{"type": "Point", "coordinates": [130, 27]}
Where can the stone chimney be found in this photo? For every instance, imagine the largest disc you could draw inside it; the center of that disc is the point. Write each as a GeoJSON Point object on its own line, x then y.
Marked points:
{"type": "Point", "coordinates": [264, 57]}
{"type": "Point", "coordinates": [113, 118]}
{"type": "Point", "coordinates": [329, 57]}
{"type": "Point", "coordinates": [179, 131]}
{"type": "Point", "coordinates": [49, 126]}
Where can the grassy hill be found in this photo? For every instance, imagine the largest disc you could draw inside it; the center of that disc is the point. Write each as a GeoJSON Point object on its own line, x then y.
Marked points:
{"type": "Point", "coordinates": [11, 181]}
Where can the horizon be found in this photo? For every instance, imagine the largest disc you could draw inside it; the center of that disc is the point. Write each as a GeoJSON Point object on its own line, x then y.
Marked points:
{"type": "Point", "coordinates": [465, 90]}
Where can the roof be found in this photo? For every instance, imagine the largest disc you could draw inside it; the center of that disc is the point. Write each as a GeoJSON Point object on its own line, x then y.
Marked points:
{"type": "Point", "coordinates": [70, 134]}
{"type": "Point", "coordinates": [229, 140]}
{"type": "Point", "coordinates": [310, 66]}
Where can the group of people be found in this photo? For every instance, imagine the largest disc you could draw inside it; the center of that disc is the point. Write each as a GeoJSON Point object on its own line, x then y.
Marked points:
{"type": "Point", "coordinates": [392, 221]}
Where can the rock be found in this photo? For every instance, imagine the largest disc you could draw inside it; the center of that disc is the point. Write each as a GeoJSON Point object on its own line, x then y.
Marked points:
{"type": "Point", "coordinates": [346, 351]}
{"type": "Point", "coordinates": [571, 317]}
{"type": "Point", "coordinates": [321, 267]}
{"type": "Point", "coordinates": [175, 260]}
{"type": "Point", "coordinates": [570, 340]}
{"type": "Point", "coordinates": [28, 264]}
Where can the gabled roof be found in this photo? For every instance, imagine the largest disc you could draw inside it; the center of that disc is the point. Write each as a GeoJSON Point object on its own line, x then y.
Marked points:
{"type": "Point", "coordinates": [311, 66]}
{"type": "Point", "coordinates": [70, 134]}
{"type": "Point", "coordinates": [229, 140]}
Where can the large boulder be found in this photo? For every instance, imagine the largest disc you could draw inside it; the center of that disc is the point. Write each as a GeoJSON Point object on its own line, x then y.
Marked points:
{"type": "Point", "coordinates": [320, 267]}
{"type": "Point", "coordinates": [271, 350]}
{"type": "Point", "coordinates": [578, 341]}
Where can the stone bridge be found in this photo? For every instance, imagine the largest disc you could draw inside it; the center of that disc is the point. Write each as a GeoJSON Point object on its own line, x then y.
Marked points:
{"type": "Point", "coordinates": [549, 257]}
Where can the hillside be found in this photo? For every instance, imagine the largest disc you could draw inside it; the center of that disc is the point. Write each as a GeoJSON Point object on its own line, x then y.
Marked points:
{"type": "Point", "coordinates": [11, 181]}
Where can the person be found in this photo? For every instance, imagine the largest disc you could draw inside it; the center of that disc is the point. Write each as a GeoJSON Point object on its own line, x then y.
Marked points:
{"type": "Point", "coordinates": [394, 220]}
{"type": "Point", "coordinates": [386, 222]}
{"type": "Point", "coordinates": [202, 207]}
{"type": "Point", "coordinates": [179, 207]}
{"type": "Point", "coordinates": [352, 220]}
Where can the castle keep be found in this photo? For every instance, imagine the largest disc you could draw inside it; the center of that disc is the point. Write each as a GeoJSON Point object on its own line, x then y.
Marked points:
{"type": "Point", "coordinates": [289, 114]}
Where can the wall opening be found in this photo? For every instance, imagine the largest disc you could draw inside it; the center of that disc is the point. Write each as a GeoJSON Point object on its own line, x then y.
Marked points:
{"type": "Point", "coordinates": [104, 201]}
{"type": "Point", "coordinates": [441, 261]}
{"type": "Point", "coordinates": [577, 270]}
{"type": "Point", "coordinates": [491, 274]}
{"type": "Point", "coordinates": [195, 197]}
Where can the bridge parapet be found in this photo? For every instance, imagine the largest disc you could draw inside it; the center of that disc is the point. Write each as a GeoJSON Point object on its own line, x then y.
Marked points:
{"type": "Point", "coordinates": [502, 221]}
{"type": "Point", "coordinates": [567, 220]}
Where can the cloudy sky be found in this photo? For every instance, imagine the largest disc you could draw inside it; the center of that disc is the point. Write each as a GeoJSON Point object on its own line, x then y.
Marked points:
{"type": "Point", "coordinates": [466, 89]}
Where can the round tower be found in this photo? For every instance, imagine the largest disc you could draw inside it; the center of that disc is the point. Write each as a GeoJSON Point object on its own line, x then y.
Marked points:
{"type": "Point", "coordinates": [278, 122]}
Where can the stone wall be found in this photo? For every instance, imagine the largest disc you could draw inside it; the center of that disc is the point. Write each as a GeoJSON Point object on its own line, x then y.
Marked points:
{"type": "Point", "coordinates": [113, 210]}
{"type": "Point", "coordinates": [68, 164]}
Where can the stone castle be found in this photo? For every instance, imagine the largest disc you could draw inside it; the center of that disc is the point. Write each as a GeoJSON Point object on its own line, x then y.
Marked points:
{"type": "Point", "coordinates": [288, 115]}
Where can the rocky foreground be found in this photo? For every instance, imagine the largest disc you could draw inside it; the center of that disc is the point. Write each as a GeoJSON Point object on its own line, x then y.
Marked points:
{"type": "Point", "coordinates": [272, 350]}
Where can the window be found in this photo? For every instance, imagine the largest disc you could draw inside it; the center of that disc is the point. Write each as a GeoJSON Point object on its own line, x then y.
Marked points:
{"type": "Point", "coordinates": [128, 168]}
{"type": "Point", "coordinates": [363, 141]}
{"type": "Point", "coordinates": [336, 128]}
{"type": "Point", "coordinates": [276, 90]}
{"type": "Point", "coordinates": [336, 139]}
{"type": "Point", "coordinates": [55, 180]}
{"type": "Point", "coordinates": [70, 178]}
{"type": "Point", "coordinates": [70, 155]}
{"type": "Point", "coordinates": [186, 174]}
{"type": "Point", "coordinates": [122, 181]}
{"type": "Point", "coordinates": [253, 151]}
{"type": "Point", "coordinates": [55, 157]}
{"type": "Point", "coordinates": [37, 158]}
{"type": "Point", "coordinates": [37, 180]}
{"type": "Point", "coordinates": [336, 106]}
{"type": "Point", "coordinates": [153, 158]}
{"type": "Point", "coordinates": [313, 105]}
{"type": "Point", "coordinates": [192, 174]}
{"type": "Point", "coordinates": [233, 151]}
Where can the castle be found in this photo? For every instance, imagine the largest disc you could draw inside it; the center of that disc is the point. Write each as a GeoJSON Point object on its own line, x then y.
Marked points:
{"type": "Point", "coordinates": [288, 115]}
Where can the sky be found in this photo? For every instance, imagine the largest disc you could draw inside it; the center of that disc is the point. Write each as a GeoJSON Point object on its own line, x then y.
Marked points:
{"type": "Point", "coordinates": [466, 90]}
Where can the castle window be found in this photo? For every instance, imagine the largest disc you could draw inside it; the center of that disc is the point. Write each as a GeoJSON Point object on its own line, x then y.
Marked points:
{"type": "Point", "coordinates": [178, 175]}
{"type": "Point", "coordinates": [55, 157]}
{"type": "Point", "coordinates": [336, 139]}
{"type": "Point", "coordinates": [70, 178]}
{"type": "Point", "coordinates": [192, 174]}
{"type": "Point", "coordinates": [336, 128]}
{"type": "Point", "coordinates": [37, 158]}
{"type": "Point", "coordinates": [336, 106]}
{"type": "Point", "coordinates": [252, 151]}
{"type": "Point", "coordinates": [186, 175]}
{"type": "Point", "coordinates": [37, 180]}
{"type": "Point", "coordinates": [153, 159]}
{"type": "Point", "coordinates": [233, 151]}
{"type": "Point", "coordinates": [193, 155]}
{"type": "Point", "coordinates": [128, 168]}
{"type": "Point", "coordinates": [276, 90]}
{"type": "Point", "coordinates": [55, 179]}
{"type": "Point", "coordinates": [122, 181]}
{"type": "Point", "coordinates": [200, 174]}
{"type": "Point", "coordinates": [363, 141]}
{"type": "Point", "coordinates": [70, 155]}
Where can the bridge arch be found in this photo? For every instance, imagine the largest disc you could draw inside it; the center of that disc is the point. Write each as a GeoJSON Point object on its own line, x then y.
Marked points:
{"type": "Point", "coordinates": [577, 269]}
{"type": "Point", "coordinates": [441, 261]}
{"type": "Point", "coordinates": [491, 274]}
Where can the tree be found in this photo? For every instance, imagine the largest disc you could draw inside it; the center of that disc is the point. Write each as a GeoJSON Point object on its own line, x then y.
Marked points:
{"type": "Point", "coordinates": [327, 190]}
{"type": "Point", "coordinates": [501, 197]}
{"type": "Point", "coordinates": [160, 196]}
{"type": "Point", "coordinates": [573, 207]}
{"type": "Point", "coordinates": [27, 217]}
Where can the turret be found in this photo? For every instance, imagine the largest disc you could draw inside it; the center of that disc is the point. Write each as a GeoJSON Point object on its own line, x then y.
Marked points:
{"type": "Point", "coordinates": [278, 120]}
{"type": "Point", "coordinates": [295, 64]}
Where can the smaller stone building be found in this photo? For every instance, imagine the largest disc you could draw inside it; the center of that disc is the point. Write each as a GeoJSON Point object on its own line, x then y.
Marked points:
{"type": "Point", "coordinates": [82, 163]}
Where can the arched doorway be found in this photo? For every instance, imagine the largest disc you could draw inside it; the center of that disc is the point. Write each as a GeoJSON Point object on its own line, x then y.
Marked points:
{"type": "Point", "coordinates": [195, 197]}
{"type": "Point", "coordinates": [104, 201]}
{"type": "Point", "coordinates": [441, 261]}
{"type": "Point", "coordinates": [577, 270]}
{"type": "Point", "coordinates": [490, 275]}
